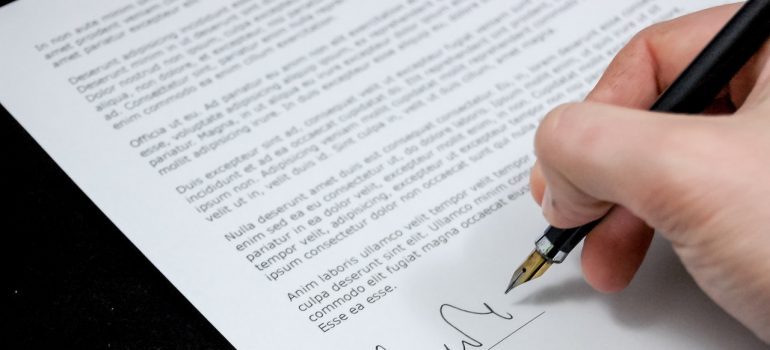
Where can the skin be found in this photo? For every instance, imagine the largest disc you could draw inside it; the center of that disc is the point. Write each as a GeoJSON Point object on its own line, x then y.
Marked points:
{"type": "Point", "coordinates": [702, 181]}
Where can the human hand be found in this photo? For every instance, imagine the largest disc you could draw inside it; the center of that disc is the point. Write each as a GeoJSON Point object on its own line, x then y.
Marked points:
{"type": "Point", "coordinates": [702, 181]}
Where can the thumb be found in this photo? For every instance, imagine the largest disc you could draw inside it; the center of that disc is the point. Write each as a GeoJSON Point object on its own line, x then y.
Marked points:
{"type": "Point", "coordinates": [593, 156]}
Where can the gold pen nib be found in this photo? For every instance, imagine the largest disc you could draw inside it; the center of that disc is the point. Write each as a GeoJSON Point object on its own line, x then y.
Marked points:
{"type": "Point", "coordinates": [532, 268]}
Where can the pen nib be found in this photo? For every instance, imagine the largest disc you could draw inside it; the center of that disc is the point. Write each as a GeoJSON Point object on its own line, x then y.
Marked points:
{"type": "Point", "coordinates": [532, 268]}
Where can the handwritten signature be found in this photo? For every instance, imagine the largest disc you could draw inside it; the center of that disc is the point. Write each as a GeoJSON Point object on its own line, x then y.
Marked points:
{"type": "Point", "coordinates": [469, 340]}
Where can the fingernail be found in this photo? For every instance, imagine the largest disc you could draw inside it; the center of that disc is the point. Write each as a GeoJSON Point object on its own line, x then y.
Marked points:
{"type": "Point", "coordinates": [547, 203]}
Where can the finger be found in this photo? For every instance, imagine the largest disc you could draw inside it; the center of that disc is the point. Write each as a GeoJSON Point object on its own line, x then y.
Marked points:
{"type": "Point", "coordinates": [654, 58]}
{"type": "Point", "coordinates": [614, 250]}
{"type": "Point", "coordinates": [595, 155]}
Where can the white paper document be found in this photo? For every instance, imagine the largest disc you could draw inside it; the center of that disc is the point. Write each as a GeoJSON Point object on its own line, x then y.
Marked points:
{"type": "Point", "coordinates": [339, 174]}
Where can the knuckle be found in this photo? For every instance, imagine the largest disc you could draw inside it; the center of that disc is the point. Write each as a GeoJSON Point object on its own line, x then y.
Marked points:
{"type": "Point", "coordinates": [639, 44]}
{"type": "Point", "coordinates": [634, 64]}
{"type": "Point", "coordinates": [639, 41]}
{"type": "Point", "coordinates": [648, 32]}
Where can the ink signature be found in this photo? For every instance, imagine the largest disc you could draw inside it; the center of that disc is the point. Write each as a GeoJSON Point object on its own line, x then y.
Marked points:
{"type": "Point", "coordinates": [469, 340]}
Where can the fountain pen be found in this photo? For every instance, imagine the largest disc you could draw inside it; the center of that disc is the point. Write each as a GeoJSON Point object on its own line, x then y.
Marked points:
{"type": "Point", "coordinates": [693, 91]}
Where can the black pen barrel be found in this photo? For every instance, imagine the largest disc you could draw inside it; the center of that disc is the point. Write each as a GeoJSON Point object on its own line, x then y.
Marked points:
{"type": "Point", "coordinates": [722, 58]}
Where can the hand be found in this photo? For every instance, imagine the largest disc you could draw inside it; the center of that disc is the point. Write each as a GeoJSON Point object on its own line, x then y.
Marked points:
{"type": "Point", "coordinates": [702, 181]}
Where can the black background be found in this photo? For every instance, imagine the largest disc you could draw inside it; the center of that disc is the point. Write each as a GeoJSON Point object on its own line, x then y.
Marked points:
{"type": "Point", "coordinates": [76, 282]}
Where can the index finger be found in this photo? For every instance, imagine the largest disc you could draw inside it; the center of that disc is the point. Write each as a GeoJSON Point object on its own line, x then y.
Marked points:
{"type": "Point", "coordinates": [656, 56]}
{"type": "Point", "coordinates": [649, 64]}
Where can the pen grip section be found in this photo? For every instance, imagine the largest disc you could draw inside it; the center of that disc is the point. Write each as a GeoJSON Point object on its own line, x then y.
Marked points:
{"type": "Point", "coordinates": [563, 241]}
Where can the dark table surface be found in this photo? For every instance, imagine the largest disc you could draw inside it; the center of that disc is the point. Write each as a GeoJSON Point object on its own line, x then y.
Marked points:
{"type": "Point", "coordinates": [76, 280]}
